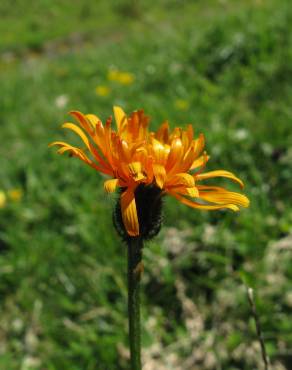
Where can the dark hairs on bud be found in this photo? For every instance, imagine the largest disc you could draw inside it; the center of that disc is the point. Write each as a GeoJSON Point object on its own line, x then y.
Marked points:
{"type": "Point", "coordinates": [149, 209]}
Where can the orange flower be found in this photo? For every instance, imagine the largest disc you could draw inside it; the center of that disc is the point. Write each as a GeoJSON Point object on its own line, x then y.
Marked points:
{"type": "Point", "coordinates": [132, 156]}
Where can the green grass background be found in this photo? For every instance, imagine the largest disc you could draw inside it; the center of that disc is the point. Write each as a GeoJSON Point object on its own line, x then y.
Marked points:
{"type": "Point", "coordinates": [62, 266]}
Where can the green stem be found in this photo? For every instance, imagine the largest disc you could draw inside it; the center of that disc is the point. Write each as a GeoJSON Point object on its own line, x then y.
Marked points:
{"type": "Point", "coordinates": [135, 246]}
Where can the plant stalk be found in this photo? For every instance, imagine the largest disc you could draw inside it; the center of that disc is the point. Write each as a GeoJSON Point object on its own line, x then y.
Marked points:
{"type": "Point", "coordinates": [135, 269]}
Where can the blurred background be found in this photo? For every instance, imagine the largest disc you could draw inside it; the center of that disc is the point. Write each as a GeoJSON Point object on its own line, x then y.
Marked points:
{"type": "Point", "coordinates": [224, 66]}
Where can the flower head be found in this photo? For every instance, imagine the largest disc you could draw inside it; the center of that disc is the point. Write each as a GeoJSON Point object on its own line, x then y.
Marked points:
{"type": "Point", "coordinates": [135, 159]}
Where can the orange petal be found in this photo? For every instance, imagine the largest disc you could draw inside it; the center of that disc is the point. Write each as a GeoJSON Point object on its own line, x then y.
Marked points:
{"type": "Point", "coordinates": [140, 154]}
{"type": "Point", "coordinates": [176, 133]}
{"type": "Point", "coordinates": [77, 152]}
{"type": "Point", "coordinates": [123, 150]}
{"type": "Point", "coordinates": [219, 173]}
{"type": "Point", "coordinates": [149, 169]}
{"type": "Point", "coordinates": [100, 159]}
{"type": "Point", "coordinates": [162, 133]}
{"type": "Point", "coordinates": [129, 212]}
{"type": "Point", "coordinates": [99, 137]}
{"type": "Point", "coordinates": [190, 132]}
{"type": "Point", "coordinates": [134, 125]}
{"type": "Point", "coordinates": [89, 146]}
{"type": "Point", "coordinates": [175, 154]}
{"type": "Point", "coordinates": [185, 141]}
{"type": "Point", "coordinates": [108, 141]}
{"type": "Point", "coordinates": [82, 120]}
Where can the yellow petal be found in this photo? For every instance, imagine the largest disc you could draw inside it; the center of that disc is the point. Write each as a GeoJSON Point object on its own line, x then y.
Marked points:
{"type": "Point", "coordinates": [192, 153]}
{"type": "Point", "coordinates": [159, 174]}
{"type": "Point", "coordinates": [92, 119]}
{"type": "Point", "coordinates": [120, 117]}
{"type": "Point", "coordinates": [129, 212]}
{"type": "Point", "coordinates": [136, 171]}
{"type": "Point", "coordinates": [181, 179]}
{"type": "Point", "coordinates": [65, 147]}
{"type": "Point", "coordinates": [199, 162]}
{"type": "Point", "coordinates": [175, 154]}
{"type": "Point", "coordinates": [110, 185]}
{"type": "Point", "coordinates": [58, 143]}
{"type": "Point", "coordinates": [191, 192]}
{"type": "Point", "coordinates": [160, 151]}
{"type": "Point", "coordinates": [189, 158]}
{"type": "Point", "coordinates": [206, 207]}
{"type": "Point", "coordinates": [199, 144]}
{"type": "Point", "coordinates": [224, 197]}
{"type": "Point", "coordinates": [78, 131]}
{"type": "Point", "coordinates": [219, 173]}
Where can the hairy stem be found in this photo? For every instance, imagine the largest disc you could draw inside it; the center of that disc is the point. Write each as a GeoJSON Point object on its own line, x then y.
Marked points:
{"type": "Point", "coordinates": [258, 328]}
{"type": "Point", "coordinates": [135, 268]}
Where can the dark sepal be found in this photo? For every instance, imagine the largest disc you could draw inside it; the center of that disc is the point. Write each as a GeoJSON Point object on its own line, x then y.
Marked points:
{"type": "Point", "coordinates": [149, 208]}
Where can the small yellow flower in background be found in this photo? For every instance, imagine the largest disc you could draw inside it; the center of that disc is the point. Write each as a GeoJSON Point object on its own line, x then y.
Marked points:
{"type": "Point", "coordinates": [124, 78]}
{"type": "Point", "coordinates": [102, 90]}
{"type": "Point", "coordinates": [15, 194]}
{"type": "Point", "coordinates": [113, 75]}
{"type": "Point", "coordinates": [181, 104]}
{"type": "Point", "coordinates": [2, 199]}
{"type": "Point", "coordinates": [147, 164]}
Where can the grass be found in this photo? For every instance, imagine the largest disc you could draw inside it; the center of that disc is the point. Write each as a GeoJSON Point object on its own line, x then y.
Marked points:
{"type": "Point", "coordinates": [62, 267]}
